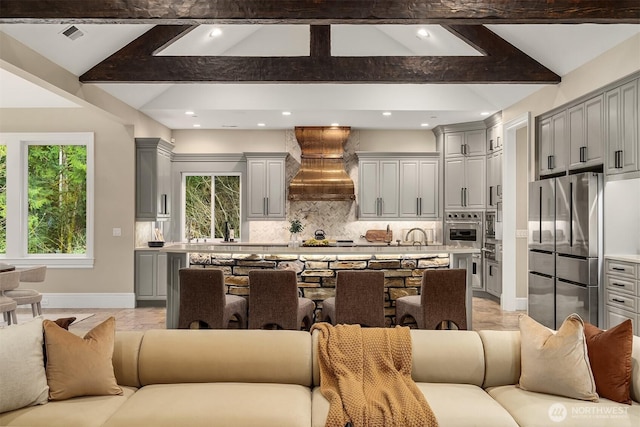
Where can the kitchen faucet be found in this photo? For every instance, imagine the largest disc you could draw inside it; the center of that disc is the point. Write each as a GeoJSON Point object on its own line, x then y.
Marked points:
{"type": "Point", "coordinates": [424, 233]}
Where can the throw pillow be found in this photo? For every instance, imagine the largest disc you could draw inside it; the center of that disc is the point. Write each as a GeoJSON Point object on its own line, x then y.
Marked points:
{"type": "Point", "coordinates": [610, 358]}
{"type": "Point", "coordinates": [80, 366]}
{"type": "Point", "coordinates": [556, 363]}
{"type": "Point", "coordinates": [22, 378]}
{"type": "Point", "coordinates": [65, 322]}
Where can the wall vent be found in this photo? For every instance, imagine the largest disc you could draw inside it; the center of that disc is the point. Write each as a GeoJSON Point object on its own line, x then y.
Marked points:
{"type": "Point", "coordinates": [72, 32]}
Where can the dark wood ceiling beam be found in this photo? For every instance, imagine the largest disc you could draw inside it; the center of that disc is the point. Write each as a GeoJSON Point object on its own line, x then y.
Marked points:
{"type": "Point", "coordinates": [323, 11]}
{"type": "Point", "coordinates": [501, 63]}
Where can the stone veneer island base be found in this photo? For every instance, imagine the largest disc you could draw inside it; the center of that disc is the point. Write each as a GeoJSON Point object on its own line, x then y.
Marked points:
{"type": "Point", "coordinates": [316, 268]}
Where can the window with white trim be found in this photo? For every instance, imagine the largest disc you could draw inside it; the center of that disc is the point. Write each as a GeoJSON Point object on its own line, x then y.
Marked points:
{"type": "Point", "coordinates": [46, 199]}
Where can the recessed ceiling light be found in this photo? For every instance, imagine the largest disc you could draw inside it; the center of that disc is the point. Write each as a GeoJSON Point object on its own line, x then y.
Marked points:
{"type": "Point", "coordinates": [189, 113]}
{"type": "Point", "coordinates": [484, 113]}
{"type": "Point", "coordinates": [424, 125]}
{"type": "Point", "coordinates": [261, 125]}
{"type": "Point", "coordinates": [335, 125]}
{"type": "Point", "coordinates": [422, 34]}
{"type": "Point", "coordinates": [216, 32]}
{"type": "Point", "coordinates": [386, 113]}
{"type": "Point", "coordinates": [286, 113]}
{"type": "Point", "coordinates": [196, 125]}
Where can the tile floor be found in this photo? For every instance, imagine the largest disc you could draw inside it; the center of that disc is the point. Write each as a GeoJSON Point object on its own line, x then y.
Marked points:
{"type": "Point", "coordinates": [486, 315]}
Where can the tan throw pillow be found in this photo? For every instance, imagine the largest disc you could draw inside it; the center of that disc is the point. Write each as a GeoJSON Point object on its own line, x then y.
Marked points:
{"type": "Point", "coordinates": [556, 363]}
{"type": "Point", "coordinates": [22, 378]}
{"type": "Point", "coordinates": [610, 358]}
{"type": "Point", "coordinates": [80, 366]}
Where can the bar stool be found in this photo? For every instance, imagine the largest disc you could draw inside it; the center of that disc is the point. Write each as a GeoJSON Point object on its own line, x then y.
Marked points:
{"type": "Point", "coordinates": [443, 298]}
{"type": "Point", "coordinates": [274, 301]}
{"type": "Point", "coordinates": [29, 296]}
{"type": "Point", "coordinates": [8, 280]}
{"type": "Point", "coordinates": [359, 299]}
{"type": "Point", "coordinates": [202, 298]}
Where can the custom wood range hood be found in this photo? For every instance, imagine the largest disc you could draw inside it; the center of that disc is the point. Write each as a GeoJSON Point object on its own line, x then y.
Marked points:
{"type": "Point", "coordinates": [322, 174]}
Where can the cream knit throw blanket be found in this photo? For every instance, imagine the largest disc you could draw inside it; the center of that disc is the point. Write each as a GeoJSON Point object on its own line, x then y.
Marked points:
{"type": "Point", "coordinates": [365, 373]}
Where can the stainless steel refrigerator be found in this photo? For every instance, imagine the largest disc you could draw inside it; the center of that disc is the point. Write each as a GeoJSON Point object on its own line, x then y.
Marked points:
{"type": "Point", "coordinates": [565, 248]}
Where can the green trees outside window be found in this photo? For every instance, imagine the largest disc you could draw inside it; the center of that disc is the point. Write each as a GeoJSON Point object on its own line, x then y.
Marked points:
{"type": "Point", "coordinates": [57, 196]}
{"type": "Point", "coordinates": [210, 200]}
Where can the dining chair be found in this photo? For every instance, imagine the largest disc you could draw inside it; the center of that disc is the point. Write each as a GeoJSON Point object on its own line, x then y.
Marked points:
{"type": "Point", "coordinates": [359, 299]}
{"type": "Point", "coordinates": [274, 301]}
{"type": "Point", "coordinates": [203, 299]}
{"type": "Point", "coordinates": [442, 299]}
{"type": "Point", "coordinates": [8, 280]}
{"type": "Point", "coordinates": [32, 297]}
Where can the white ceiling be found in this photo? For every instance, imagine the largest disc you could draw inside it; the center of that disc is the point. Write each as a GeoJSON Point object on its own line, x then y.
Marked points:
{"type": "Point", "coordinates": [561, 48]}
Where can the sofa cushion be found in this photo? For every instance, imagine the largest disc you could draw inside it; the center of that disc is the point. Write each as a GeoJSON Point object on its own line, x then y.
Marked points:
{"type": "Point", "coordinates": [556, 363]}
{"type": "Point", "coordinates": [610, 359]}
{"type": "Point", "coordinates": [22, 377]}
{"type": "Point", "coordinates": [452, 404]}
{"type": "Point", "coordinates": [126, 350]}
{"type": "Point", "coordinates": [86, 411]}
{"type": "Point", "coordinates": [501, 357]}
{"type": "Point", "coordinates": [80, 366]}
{"type": "Point", "coordinates": [220, 404]}
{"type": "Point", "coordinates": [531, 409]}
{"type": "Point", "coordinates": [201, 356]}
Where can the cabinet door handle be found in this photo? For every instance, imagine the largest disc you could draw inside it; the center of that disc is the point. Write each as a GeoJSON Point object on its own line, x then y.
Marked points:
{"type": "Point", "coordinates": [498, 190]}
{"type": "Point", "coordinates": [617, 268]}
{"type": "Point", "coordinates": [617, 284]}
{"type": "Point", "coordinates": [267, 211]}
{"type": "Point", "coordinates": [491, 270]}
{"type": "Point", "coordinates": [264, 206]}
{"type": "Point", "coordinates": [420, 206]}
{"type": "Point", "coordinates": [583, 154]}
{"type": "Point", "coordinates": [164, 207]}
{"type": "Point", "coordinates": [619, 159]}
{"type": "Point", "coordinates": [462, 149]}
{"type": "Point", "coordinates": [552, 162]}
{"type": "Point", "coordinates": [466, 196]}
{"type": "Point", "coordinates": [461, 196]}
{"type": "Point", "coordinates": [618, 300]}
{"type": "Point", "coordinates": [491, 195]}
{"type": "Point", "coordinates": [491, 144]}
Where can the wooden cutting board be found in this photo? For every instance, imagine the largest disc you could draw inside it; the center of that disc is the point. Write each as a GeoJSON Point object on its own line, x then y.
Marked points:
{"type": "Point", "coordinates": [378, 235]}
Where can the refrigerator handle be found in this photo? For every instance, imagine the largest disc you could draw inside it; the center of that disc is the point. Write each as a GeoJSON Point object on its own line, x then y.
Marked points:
{"type": "Point", "coordinates": [540, 214]}
{"type": "Point", "coordinates": [571, 214]}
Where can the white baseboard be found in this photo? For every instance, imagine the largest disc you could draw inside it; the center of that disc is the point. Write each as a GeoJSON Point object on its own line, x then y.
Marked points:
{"type": "Point", "coordinates": [88, 300]}
{"type": "Point", "coordinates": [521, 303]}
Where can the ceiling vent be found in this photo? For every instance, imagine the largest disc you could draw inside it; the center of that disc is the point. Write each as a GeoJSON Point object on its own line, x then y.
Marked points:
{"type": "Point", "coordinates": [322, 174]}
{"type": "Point", "coordinates": [72, 32]}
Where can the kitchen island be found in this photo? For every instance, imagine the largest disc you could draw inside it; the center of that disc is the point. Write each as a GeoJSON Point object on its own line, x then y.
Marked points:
{"type": "Point", "coordinates": [316, 267]}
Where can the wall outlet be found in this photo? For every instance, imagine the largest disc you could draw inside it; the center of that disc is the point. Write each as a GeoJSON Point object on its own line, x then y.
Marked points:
{"type": "Point", "coordinates": [44, 302]}
{"type": "Point", "coordinates": [522, 234]}
{"type": "Point", "coordinates": [117, 232]}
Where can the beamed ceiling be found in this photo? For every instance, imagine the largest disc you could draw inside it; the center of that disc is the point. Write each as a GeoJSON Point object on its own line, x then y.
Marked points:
{"type": "Point", "coordinates": [142, 60]}
{"type": "Point", "coordinates": [500, 61]}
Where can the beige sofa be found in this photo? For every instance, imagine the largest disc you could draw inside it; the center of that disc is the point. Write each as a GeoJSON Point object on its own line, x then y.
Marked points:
{"type": "Point", "coordinates": [270, 378]}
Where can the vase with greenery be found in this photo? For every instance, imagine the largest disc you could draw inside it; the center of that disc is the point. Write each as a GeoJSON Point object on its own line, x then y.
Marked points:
{"type": "Point", "coordinates": [295, 227]}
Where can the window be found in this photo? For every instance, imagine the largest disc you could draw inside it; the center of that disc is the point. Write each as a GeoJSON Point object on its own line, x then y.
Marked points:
{"type": "Point", "coordinates": [210, 201]}
{"type": "Point", "coordinates": [46, 204]}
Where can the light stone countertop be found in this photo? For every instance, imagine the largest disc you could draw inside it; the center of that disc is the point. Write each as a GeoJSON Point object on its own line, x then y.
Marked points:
{"type": "Point", "coordinates": [254, 248]}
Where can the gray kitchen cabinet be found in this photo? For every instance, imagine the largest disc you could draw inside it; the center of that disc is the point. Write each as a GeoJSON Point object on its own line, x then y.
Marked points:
{"type": "Point", "coordinates": [621, 129]}
{"type": "Point", "coordinates": [419, 183]}
{"type": "Point", "coordinates": [150, 275]}
{"type": "Point", "coordinates": [552, 144]}
{"type": "Point", "coordinates": [378, 187]}
{"type": "Point", "coordinates": [621, 292]}
{"type": "Point", "coordinates": [464, 181]}
{"type": "Point", "coordinates": [493, 278]}
{"type": "Point", "coordinates": [153, 179]}
{"type": "Point", "coordinates": [467, 143]}
{"type": "Point", "coordinates": [266, 185]}
{"type": "Point", "coordinates": [494, 138]}
{"type": "Point", "coordinates": [494, 179]}
{"type": "Point", "coordinates": [586, 133]}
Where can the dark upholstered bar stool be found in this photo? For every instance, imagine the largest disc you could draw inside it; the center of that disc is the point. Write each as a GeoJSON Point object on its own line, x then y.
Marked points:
{"type": "Point", "coordinates": [202, 298]}
{"type": "Point", "coordinates": [359, 299]}
{"type": "Point", "coordinates": [443, 298]}
{"type": "Point", "coordinates": [274, 301]}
